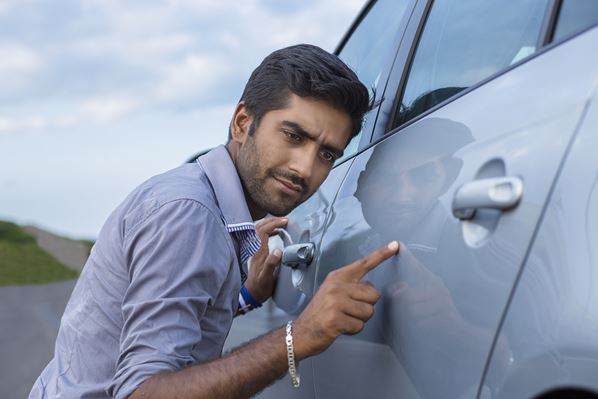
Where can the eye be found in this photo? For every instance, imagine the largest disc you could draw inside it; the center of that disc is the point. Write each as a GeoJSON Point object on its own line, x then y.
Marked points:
{"type": "Point", "coordinates": [328, 156]}
{"type": "Point", "coordinates": [293, 137]}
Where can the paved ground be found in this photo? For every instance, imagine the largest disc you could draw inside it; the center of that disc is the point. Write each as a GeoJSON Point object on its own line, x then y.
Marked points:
{"type": "Point", "coordinates": [30, 317]}
{"type": "Point", "coordinates": [29, 320]}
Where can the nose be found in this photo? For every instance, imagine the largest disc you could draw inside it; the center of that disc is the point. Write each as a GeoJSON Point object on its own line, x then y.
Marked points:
{"type": "Point", "coordinates": [302, 163]}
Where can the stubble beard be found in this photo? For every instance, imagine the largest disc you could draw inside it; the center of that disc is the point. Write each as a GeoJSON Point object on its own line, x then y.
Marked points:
{"type": "Point", "coordinates": [254, 178]}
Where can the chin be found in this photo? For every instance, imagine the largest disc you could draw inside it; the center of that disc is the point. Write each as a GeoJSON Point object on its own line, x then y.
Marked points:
{"type": "Point", "coordinates": [281, 209]}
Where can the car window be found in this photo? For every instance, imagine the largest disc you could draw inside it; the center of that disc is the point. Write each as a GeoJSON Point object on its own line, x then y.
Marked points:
{"type": "Point", "coordinates": [370, 46]}
{"type": "Point", "coordinates": [464, 42]}
{"type": "Point", "coordinates": [575, 16]}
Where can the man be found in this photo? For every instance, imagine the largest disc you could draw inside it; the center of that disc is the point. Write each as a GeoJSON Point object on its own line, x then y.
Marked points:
{"type": "Point", "coordinates": [152, 308]}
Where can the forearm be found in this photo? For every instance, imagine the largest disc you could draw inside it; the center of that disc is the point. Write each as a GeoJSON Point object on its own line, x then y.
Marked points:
{"type": "Point", "coordinates": [341, 305]}
{"type": "Point", "coordinates": [239, 374]}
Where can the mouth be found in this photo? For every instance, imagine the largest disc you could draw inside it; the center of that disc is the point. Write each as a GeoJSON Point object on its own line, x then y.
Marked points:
{"type": "Point", "coordinates": [288, 187]}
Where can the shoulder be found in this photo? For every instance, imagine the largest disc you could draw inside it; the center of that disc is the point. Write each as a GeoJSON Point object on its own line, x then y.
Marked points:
{"type": "Point", "coordinates": [181, 237]}
{"type": "Point", "coordinates": [185, 189]}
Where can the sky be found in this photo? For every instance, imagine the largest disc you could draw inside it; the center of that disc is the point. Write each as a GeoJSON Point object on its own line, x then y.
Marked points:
{"type": "Point", "coordinates": [96, 96]}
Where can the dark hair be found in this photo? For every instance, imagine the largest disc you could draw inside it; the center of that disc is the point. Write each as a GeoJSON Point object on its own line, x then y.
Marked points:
{"type": "Point", "coordinates": [307, 71]}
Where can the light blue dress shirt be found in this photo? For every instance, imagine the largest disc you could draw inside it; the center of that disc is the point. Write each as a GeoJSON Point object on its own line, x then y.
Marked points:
{"type": "Point", "coordinates": [160, 288]}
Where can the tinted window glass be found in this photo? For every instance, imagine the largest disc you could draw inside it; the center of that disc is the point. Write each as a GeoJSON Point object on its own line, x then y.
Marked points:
{"type": "Point", "coordinates": [370, 46]}
{"type": "Point", "coordinates": [574, 16]}
{"type": "Point", "coordinates": [464, 42]}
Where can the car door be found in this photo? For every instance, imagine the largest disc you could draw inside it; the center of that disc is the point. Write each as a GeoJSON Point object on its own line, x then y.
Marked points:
{"type": "Point", "coordinates": [459, 172]}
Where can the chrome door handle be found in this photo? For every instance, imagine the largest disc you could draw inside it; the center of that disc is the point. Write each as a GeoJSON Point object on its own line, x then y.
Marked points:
{"type": "Point", "coordinates": [495, 193]}
{"type": "Point", "coordinates": [298, 254]}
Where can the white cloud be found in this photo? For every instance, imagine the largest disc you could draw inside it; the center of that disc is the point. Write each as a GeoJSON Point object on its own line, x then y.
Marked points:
{"type": "Point", "coordinates": [194, 76]}
{"type": "Point", "coordinates": [7, 124]}
{"type": "Point", "coordinates": [18, 58]}
{"type": "Point", "coordinates": [28, 123]}
{"type": "Point", "coordinates": [110, 108]}
{"type": "Point", "coordinates": [6, 6]}
{"type": "Point", "coordinates": [134, 50]}
{"type": "Point", "coordinates": [18, 65]}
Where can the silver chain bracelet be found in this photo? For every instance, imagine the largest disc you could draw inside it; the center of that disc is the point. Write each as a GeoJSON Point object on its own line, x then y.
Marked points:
{"type": "Point", "coordinates": [293, 372]}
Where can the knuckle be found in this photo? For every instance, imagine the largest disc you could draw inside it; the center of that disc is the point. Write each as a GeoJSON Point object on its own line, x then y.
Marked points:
{"type": "Point", "coordinates": [333, 274]}
{"type": "Point", "coordinates": [272, 260]}
{"type": "Point", "coordinates": [359, 326]}
{"type": "Point", "coordinates": [375, 294]}
{"type": "Point", "coordinates": [331, 292]}
{"type": "Point", "coordinates": [364, 261]}
{"type": "Point", "coordinates": [355, 327]}
{"type": "Point", "coordinates": [369, 312]}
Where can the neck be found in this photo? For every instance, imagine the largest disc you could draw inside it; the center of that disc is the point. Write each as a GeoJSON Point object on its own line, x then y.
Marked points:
{"type": "Point", "coordinates": [254, 210]}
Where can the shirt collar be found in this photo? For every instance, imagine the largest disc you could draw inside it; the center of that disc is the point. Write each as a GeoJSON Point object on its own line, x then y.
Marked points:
{"type": "Point", "coordinates": [223, 176]}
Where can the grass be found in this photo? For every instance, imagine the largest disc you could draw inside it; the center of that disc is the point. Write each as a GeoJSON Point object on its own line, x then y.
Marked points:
{"type": "Point", "coordinates": [22, 261]}
{"type": "Point", "coordinates": [88, 244]}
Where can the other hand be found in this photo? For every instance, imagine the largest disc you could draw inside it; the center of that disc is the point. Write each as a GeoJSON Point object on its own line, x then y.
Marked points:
{"type": "Point", "coordinates": [261, 280]}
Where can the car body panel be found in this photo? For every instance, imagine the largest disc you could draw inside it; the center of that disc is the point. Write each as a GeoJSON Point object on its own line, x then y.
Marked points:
{"type": "Point", "coordinates": [445, 293]}
{"type": "Point", "coordinates": [551, 327]}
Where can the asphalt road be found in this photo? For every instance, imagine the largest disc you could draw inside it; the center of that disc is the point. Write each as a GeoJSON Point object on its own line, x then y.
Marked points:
{"type": "Point", "coordinates": [29, 321]}
{"type": "Point", "coordinates": [30, 318]}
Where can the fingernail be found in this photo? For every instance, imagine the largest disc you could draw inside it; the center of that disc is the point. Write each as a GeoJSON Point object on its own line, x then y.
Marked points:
{"type": "Point", "coordinates": [277, 252]}
{"type": "Point", "coordinates": [393, 246]}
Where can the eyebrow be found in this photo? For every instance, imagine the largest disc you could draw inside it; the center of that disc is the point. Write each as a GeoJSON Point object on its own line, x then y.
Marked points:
{"type": "Point", "coordinates": [298, 129]}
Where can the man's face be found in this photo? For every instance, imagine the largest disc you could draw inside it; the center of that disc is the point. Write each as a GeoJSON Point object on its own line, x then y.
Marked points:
{"type": "Point", "coordinates": [406, 196]}
{"type": "Point", "coordinates": [290, 153]}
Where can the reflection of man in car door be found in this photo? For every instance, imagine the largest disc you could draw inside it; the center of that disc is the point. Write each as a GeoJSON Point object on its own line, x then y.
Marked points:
{"type": "Point", "coordinates": [400, 192]}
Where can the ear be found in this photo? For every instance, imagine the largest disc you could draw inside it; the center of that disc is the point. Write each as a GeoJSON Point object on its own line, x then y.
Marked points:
{"type": "Point", "coordinates": [240, 123]}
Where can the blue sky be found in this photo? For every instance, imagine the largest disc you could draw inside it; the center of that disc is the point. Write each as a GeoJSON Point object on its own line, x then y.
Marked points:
{"type": "Point", "coordinates": [98, 95]}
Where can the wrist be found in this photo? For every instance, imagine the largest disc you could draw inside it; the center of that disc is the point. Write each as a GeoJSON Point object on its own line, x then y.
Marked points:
{"type": "Point", "coordinates": [301, 341]}
{"type": "Point", "coordinates": [291, 361]}
{"type": "Point", "coordinates": [248, 299]}
{"type": "Point", "coordinates": [254, 291]}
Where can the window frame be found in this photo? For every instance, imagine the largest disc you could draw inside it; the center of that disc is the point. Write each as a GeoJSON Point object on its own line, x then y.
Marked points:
{"type": "Point", "coordinates": [387, 66]}
{"type": "Point", "coordinates": [400, 73]}
{"type": "Point", "coordinates": [552, 24]}
{"type": "Point", "coordinates": [545, 27]}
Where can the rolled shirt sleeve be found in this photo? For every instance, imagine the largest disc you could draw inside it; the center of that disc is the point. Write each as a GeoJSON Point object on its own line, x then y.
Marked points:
{"type": "Point", "coordinates": [179, 258]}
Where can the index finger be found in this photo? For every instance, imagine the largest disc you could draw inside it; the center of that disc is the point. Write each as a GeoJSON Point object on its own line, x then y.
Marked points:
{"type": "Point", "coordinates": [268, 226]}
{"type": "Point", "coordinates": [356, 270]}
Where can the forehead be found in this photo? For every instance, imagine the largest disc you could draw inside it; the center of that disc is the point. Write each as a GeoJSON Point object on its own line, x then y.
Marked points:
{"type": "Point", "coordinates": [326, 123]}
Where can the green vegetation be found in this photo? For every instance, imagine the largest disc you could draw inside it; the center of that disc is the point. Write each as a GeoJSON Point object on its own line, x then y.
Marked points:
{"type": "Point", "coordinates": [22, 261]}
{"type": "Point", "coordinates": [89, 244]}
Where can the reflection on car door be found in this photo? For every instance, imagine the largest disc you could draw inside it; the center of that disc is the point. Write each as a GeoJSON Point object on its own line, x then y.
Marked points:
{"type": "Point", "coordinates": [444, 295]}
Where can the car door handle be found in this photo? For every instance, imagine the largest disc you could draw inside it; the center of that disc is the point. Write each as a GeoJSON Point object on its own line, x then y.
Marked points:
{"type": "Point", "coordinates": [298, 254]}
{"type": "Point", "coordinates": [495, 193]}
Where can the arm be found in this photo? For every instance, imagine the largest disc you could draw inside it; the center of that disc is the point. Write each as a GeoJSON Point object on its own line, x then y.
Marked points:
{"type": "Point", "coordinates": [178, 262]}
{"type": "Point", "coordinates": [341, 306]}
{"type": "Point", "coordinates": [240, 374]}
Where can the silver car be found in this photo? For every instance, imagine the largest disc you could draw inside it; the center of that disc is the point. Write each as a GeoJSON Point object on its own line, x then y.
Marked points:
{"type": "Point", "coordinates": [481, 156]}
